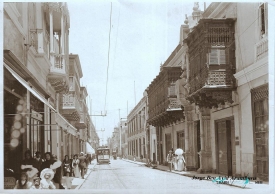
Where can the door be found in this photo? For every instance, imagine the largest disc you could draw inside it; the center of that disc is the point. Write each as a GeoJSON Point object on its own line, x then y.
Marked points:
{"type": "Point", "coordinates": [233, 145]}
{"type": "Point", "coordinates": [168, 143]}
{"type": "Point", "coordinates": [226, 152]}
{"type": "Point", "coordinates": [198, 138]}
{"type": "Point", "coordinates": [261, 138]}
{"type": "Point", "coordinates": [180, 140]}
{"type": "Point", "coordinates": [222, 148]}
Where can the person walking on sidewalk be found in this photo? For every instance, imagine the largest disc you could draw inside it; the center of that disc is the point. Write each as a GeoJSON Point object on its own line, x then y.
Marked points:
{"type": "Point", "coordinates": [75, 166]}
{"type": "Point", "coordinates": [82, 164]}
{"type": "Point", "coordinates": [169, 159]}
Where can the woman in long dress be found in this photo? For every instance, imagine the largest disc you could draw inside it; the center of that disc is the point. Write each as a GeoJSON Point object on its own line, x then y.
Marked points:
{"type": "Point", "coordinates": [181, 162]}
{"type": "Point", "coordinates": [75, 166]}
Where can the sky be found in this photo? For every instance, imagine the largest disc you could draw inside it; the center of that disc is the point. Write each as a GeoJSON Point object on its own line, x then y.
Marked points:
{"type": "Point", "coordinates": [143, 35]}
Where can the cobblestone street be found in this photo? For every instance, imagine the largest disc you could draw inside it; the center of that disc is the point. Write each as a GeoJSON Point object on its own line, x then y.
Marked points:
{"type": "Point", "coordinates": [125, 175]}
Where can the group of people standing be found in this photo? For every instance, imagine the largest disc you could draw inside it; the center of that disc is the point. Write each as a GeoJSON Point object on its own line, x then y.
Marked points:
{"type": "Point", "coordinates": [77, 166]}
{"type": "Point", "coordinates": [47, 172]}
{"type": "Point", "coordinates": [175, 160]}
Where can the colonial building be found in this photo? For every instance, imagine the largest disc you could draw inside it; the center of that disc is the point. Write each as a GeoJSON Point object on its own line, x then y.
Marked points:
{"type": "Point", "coordinates": [224, 89]}
{"type": "Point", "coordinates": [137, 132]}
{"type": "Point", "coordinates": [165, 112]}
{"type": "Point", "coordinates": [74, 108]}
{"type": "Point", "coordinates": [36, 76]}
{"type": "Point", "coordinates": [123, 138]}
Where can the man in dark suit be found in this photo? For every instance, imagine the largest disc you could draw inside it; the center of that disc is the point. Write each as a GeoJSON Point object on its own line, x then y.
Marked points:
{"type": "Point", "coordinates": [82, 164]}
{"type": "Point", "coordinates": [38, 162]}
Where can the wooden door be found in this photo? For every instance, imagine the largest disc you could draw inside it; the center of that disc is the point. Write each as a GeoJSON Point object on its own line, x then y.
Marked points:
{"type": "Point", "coordinates": [168, 143]}
{"type": "Point", "coordinates": [233, 145]}
{"type": "Point", "coordinates": [198, 143]}
{"type": "Point", "coordinates": [222, 148]}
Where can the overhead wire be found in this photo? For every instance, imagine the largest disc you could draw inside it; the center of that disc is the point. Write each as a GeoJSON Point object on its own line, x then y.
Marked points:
{"type": "Point", "coordinates": [116, 36]}
{"type": "Point", "coordinates": [108, 58]}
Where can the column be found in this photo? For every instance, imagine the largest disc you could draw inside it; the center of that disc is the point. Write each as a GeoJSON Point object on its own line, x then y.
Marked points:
{"type": "Point", "coordinates": [28, 127]}
{"type": "Point", "coordinates": [205, 153]}
{"type": "Point", "coordinates": [51, 30]}
{"type": "Point", "coordinates": [62, 39]}
{"type": "Point", "coordinates": [39, 28]}
{"type": "Point", "coordinates": [51, 37]}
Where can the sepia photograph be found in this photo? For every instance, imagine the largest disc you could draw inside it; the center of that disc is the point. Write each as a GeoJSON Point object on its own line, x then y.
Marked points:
{"type": "Point", "coordinates": [152, 96]}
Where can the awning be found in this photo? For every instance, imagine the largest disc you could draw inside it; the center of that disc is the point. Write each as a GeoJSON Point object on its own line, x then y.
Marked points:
{"type": "Point", "coordinates": [60, 120]}
{"type": "Point", "coordinates": [28, 87]}
{"type": "Point", "coordinates": [89, 149]}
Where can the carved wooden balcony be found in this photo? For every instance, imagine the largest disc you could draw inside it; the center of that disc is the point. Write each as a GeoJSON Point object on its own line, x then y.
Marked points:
{"type": "Point", "coordinates": [212, 62]}
{"type": "Point", "coordinates": [163, 107]}
{"type": "Point", "coordinates": [71, 107]}
{"type": "Point", "coordinates": [81, 124]}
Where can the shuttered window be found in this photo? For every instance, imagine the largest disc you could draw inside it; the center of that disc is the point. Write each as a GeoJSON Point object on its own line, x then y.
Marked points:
{"type": "Point", "coordinates": [172, 90]}
{"type": "Point", "coordinates": [263, 18]}
{"type": "Point", "coordinates": [217, 57]}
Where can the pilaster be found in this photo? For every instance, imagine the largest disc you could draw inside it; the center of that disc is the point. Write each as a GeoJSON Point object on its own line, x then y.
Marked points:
{"type": "Point", "coordinates": [205, 137]}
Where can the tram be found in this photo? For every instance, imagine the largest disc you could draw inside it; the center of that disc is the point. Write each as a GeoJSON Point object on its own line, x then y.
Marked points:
{"type": "Point", "coordinates": [103, 155]}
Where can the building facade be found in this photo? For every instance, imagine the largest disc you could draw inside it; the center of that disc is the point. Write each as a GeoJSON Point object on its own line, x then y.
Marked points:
{"type": "Point", "coordinates": [136, 122]}
{"type": "Point", "coordinates": [224, 89]}
{"type": "Point", "coordinates": [36, 76]}
{"type": "Point", "coordinates": [165, 111]}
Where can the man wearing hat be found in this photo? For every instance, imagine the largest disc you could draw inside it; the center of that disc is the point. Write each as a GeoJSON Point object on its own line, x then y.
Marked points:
{"type": "Point", "coordinates": [38, 161]}
{"type": "Point", "coordinates": [82, 164]}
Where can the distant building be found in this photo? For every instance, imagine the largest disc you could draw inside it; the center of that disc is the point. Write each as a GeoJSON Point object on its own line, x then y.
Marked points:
{"type": "Point", "coordinates": [136, 121]}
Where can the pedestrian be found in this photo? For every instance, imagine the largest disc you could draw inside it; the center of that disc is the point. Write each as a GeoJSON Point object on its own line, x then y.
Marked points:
{"type": "Point", "coordinates": [75, 166]}
{"type": "Point", "coordinates": [82, 164]}
{"type": "Point", "coordinates": [68, 180]}
{"type": "Point", "coordinates": [46, 176]}
{"type": "Point", "coordinates": [169, 159]}
{"type": "Point", "coordinates": [23, 182]}
{"type": "Point", "coordinates": [181, 162]}
{"type": "Point", "coordinates": [38, 161]}
{"type": "Point", "coordinates": [175, 162]}
{"type": "Point", "coordinates": [48, 161]}
{"type": "Point", "coordinates": [36, 183]}
{"type": "Point", "coordinates": [56, 167]}
{"type": "Point", "coordinates": [66, 166]}
{"type": "Point", "coordinates": [27, 165]}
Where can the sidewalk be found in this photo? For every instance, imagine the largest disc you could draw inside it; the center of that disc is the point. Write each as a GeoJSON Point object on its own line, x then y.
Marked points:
{"type": "Point", "coordinates": [77, 182]}
{"type": "Point", "coordinates": [198, 176]}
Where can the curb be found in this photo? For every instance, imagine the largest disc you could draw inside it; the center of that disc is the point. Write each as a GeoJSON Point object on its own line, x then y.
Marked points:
{"type": "Point", "coordinates": [91, 169]}
{"type": "Point", "coordinates": [183, 174]}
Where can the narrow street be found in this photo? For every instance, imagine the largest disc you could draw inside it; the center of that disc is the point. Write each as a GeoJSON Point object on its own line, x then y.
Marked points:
{"type": "Point", "coordinates": [125, 175]}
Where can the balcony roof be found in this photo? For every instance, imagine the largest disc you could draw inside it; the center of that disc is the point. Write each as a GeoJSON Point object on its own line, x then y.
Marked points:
{"type": "Point", "coordinates": [201, 23]}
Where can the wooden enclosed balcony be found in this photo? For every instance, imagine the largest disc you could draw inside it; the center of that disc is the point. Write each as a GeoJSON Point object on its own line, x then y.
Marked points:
{"type": "Point", "coordinates": [71, 107]}
{"type": "Point", "coordinates": [212, 62]}
{"type": "Point", "coordinates": [163, 106]}
{"type": "Point", "coordinates": [81, 124]}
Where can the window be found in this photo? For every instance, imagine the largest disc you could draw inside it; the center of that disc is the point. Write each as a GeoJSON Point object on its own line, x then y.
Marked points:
{"type": "Point", "coordinates": [36, 132]}
{"type": "Point", "coordinates": [71, 79]}
{"type": "Point", "coordinates": [263, 19]}
{"type": "Point", "coordinates": [217, 57]}
{"type": "Point", "coordinates": [180, 140]}
{"type": "Point", "coordinates": [172, 90]}
{"type": "Point", "coordinates": [261, 130]}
